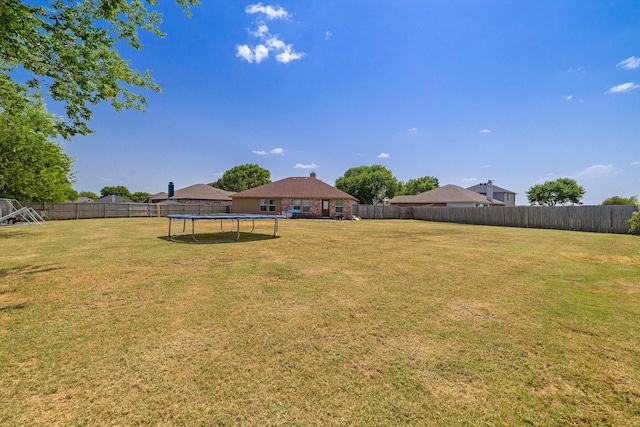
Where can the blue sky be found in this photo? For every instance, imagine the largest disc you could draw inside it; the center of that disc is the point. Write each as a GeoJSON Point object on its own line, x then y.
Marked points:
{"type": "Point", "coordinates": [519, 92]}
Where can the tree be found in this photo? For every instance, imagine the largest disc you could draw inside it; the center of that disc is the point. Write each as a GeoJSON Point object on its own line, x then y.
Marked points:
{"type": "Point", "coordinates": [243, 177]}
{"type": "Point", "coordinates": [140, 196]}
{"type": "Point", "coordinates": [118, 190]}
{"type": "Point", "coordinates": [88, 194]}
{"type": "Point", "coordinates": [70, 51]}
{"type": "Point", "coordinates": [617, 200]}
{"type": "Point", "coordinates": [32, 166]}
{"type": "Point", "coordinates": [558, 192]}
{"type": "Point", "coordinates": [634, 222]}
{"type": "Point", "coordinates": [419, 185]}
{"type": "Point", "coordinates": [369, 184]}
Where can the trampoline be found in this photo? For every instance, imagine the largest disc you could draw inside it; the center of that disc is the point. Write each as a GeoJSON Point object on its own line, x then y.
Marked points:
{"type": "Point", "coordinates": [237, 218]}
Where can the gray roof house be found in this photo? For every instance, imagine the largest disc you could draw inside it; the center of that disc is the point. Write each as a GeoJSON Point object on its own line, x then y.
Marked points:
{"type": "Point", "coordinates": [202, 194]}
{"type": "Point", "coordinates": [493, 192]}
{"type": "Point", "coordinates": [446, 196]}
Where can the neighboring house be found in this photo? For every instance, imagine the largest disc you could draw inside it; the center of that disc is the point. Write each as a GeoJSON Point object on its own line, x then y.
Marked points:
{"type": "Point", "coordinates": [493, 192]}
{"type": "Point", "coordinates": [308, 196]}
{"type": "Point", "coordinates": [201, 194]}
{"type": "Point", "coordinates": [447, 196]}
{"type": "Point", "coordinates": [83, 200]}
{"type": "Point", "coordinates": [114, 199]}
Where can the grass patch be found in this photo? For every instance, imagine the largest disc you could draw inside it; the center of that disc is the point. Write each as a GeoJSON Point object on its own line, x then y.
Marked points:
{"type": "Point", "coordinates": [359, 323]}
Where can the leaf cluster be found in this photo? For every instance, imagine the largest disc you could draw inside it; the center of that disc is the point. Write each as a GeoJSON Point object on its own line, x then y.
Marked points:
{"type": "Point", "coordinates": [419, 185]}
{"type": "Point", "coordinates": [617, 200]}
{"type": "Point", "coordinates": [71, 49]}
{"type": "Point", "coordinates": [32, 166]}
{"type": "Point", "coordinates": [561, 191]}
{"type": "Point", "coordinates": [369, 184]}
{"type": "Point", "coordinates": [243, 177]}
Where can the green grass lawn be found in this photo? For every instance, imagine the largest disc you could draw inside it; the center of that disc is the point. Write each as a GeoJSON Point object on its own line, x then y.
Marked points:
{"type": "Point", "coordinates": [385, 322]}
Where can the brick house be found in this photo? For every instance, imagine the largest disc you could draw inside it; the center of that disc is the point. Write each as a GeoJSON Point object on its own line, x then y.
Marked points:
{"type": "Point", "coordinates": [309, 196]}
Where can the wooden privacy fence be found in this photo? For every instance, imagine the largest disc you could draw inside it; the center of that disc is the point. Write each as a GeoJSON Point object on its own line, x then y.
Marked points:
{"type": "Point", "coordinates": [599, 219]}
{"type": "Point", "coordinates": [55, 211]}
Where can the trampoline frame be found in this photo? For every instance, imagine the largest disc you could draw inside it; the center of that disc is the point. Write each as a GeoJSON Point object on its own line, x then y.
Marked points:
{"type": "Point", "coordinates": [221, 218]}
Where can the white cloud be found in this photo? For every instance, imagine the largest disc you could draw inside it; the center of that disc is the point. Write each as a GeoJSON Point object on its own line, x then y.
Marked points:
{"type": "Point", "coordinates": [631, 63]}
{"type": "Point", "coordinates": [327, 35]}
{"type": "Point", "coordinates": [485, 131]}
{"type": "Point", "coordinates": [469, 180]}
{"type": "Point", "coordinates": [301, 166]}
{"type": "Point", "coordinates": [270, 12]}
{"type": "Point", "coordinates": [595, 171]}
{"type": "Point", "coordinates": [568, 97]}
{"type": "Point", "coordinates": [106, 179]}
{"type": "Point", "coordinates": [625, 87]}
{"type": "Point", "coordinates": [277, 151]}
{"type": "Point", "coordinates": [257, 55]}
{"type": "Point", "coordinates": [384, 156]}
{"type": "Point", "coordinates": [268, 42]}
{"type": "Point", "coordinates": [485, 166]}
{"type": "Point", "coordinates": [635, 163]}
{"type": "Point", "coordinates": [289, 55]}
{"type": "Point", "coordinates": [259, 152]}
{"type": "Point", "coordinates": [412, 130]}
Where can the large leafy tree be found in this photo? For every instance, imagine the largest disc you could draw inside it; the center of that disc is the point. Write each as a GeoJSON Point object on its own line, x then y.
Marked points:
{"type": "Point", "coordinates": [369, 184]}
{"type": "Point", "coordinates": [243, 177]}
{"type": "Point", "coordinates": [70, 51]}
{"type": "Point", "coordinates": [419, 185]}
{"type": "Point", "coordinates": [117, 190]}
{"type": "Point", "coordinates": [562, 191]}
{"type": "Point", "coordinates": [617, 200]}
{"type": "Point", "coordinates": [32, 166]}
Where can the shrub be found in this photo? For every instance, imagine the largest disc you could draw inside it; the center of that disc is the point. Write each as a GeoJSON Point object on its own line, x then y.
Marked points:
{"type": "Point", "coordinates": [634, 222]}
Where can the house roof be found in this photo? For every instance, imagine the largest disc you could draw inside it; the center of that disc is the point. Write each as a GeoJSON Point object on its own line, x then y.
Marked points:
{"type": "Point", "coordinates": [201, 192]}
{"type": "Point", "coordinates": [160, 196]}
{"type": "Point", "coordinates": [114, 198]}
{"type": "Point", "coordinates": [308, 187]}
{"type": "Point", "coordinates": [83, 200]}
{"type": "Point", "coordinates": [446, 194]}
{"type": "Point", "coordinates": [482, 189]}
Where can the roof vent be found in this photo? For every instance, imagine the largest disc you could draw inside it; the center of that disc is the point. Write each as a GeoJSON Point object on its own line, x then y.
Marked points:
{"type": "Point", "coordinates": [312, 174]}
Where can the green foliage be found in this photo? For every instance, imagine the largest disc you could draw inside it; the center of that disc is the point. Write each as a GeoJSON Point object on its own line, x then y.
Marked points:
{"type": "Point", "coordinates": [559, 192]}
{"type": "Point", "coordinates": [139, 196]}
{"type": "Point", "coordinates": [89, 194]}
{"type": "Point", "coordinates": [118, 190]}
{"type": "Point", "coordinates": [634, 222]}
{"type": "Point", "coordinates": [419, 185]}
{"type": "Point", "coordinates": [243, 177]}
{"type": "Point", "coordinates": [617, 200]}
{"type": "Point", "coordinates": [369, 184]}
{"type": "Point", "coordinates": [70, 51]}
{"type": "Point", "coordinates": [32, 166]}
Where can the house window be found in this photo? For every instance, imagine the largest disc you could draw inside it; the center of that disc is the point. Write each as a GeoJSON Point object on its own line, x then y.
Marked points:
{"type": "Point", "coordinates": [306, 206]}
{"type": "Point", "coordinates": [297, 205]}
{"type": "Point", "coordinates": [339, 206]}
{"type": "Point", "coordinates": [267, 205]}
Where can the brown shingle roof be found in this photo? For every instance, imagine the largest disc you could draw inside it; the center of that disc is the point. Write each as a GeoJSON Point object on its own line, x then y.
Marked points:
{"type": "Point", "coordinates": [305, 187]}
{"type": "Point", "coordinates": [201, 192]}
{"type": "Point", "coordinates": [445, 194]}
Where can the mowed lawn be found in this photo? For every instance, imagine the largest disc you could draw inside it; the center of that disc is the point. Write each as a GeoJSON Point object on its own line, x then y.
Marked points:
{"type": "Point", "coordinates": [380, 322]}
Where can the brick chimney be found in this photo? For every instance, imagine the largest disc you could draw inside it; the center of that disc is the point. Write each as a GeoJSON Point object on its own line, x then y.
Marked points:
{"type": "Point", "coordinates": [312, 174]}
{"type": "Point", "coordinates": [490, 190]}
{"type": "Point", "coordinates": [170, 191]}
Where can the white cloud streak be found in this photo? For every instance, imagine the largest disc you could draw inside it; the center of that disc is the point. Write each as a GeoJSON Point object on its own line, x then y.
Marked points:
{"type": "Point", "coordinates": [631, 63]}
{"type": "Point", "coordinates": [384, 156]}
{"type": "Point", "coordinates": [485, 131]}
{"type": "Point", "coordinates": [277, 151]}
{"type": "Point", "coordinates": [635, 163]}
{"type": "Point", "coordinates": [259, 152]}
{"type": "Point", "coordinates": [327, 35]}
{"type": "Point", "coordinates": [595, 171]}
{"type": "Point", "coordinates": [624, 87]}
{"type": "Point", "coordinates": [568, 97]}
{"type": "Point", "coordinates": [269, 12]}
{"type": "Point", "coordinates": [302, 166]}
